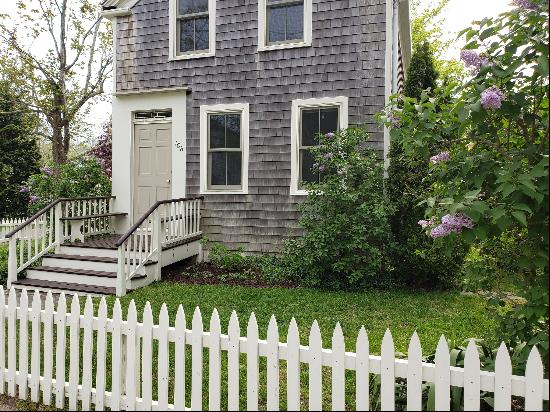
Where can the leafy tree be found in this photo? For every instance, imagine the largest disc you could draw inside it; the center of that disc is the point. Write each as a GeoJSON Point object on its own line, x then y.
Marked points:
{"type": "Point", "coordinates": [421, 73]}
{"type": "Point", "coordinates": [491, 178]}
{"type": "Point", "coordinates": [344, 217]}
{"type": "Point", "coordinates": [59, 82]}
{"type": "Point", "coordinates": [19, 154]}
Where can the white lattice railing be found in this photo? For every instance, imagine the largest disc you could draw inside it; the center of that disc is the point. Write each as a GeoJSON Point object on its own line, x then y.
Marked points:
{"type": "Point", "coordinates": [47, 230]}
{"type": "Point", "coordinates": [87, 217]}
{"type": "Point", "coordinates": [149, 365]}
{"type": "Point", "coordinates": [164, 225]}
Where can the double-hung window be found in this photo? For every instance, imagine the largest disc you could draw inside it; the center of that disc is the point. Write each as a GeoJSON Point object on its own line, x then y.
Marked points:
{"type": "Point", "coordinates": [224, 148]}
{"type": "Point", "coordinates": [284, 24]}
{"type": "Point", "coordinates": [310, 118]}
{"type": "Point", "coordinates": [192, 31]}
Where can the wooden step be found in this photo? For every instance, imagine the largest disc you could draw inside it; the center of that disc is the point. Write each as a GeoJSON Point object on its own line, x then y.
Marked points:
{"type": "Point", "coordinates": [69, 288]}
{"type": "Point", "coordinates": [102, 259]}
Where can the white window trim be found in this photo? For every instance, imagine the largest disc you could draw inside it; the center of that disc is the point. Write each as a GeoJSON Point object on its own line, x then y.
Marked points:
{"type": "Point", "coordinates": [244, 109]}
{"type": "Point", "coordinates": [297, 106]}
{"type": "Point", "coordinates": [211, 52]}
{"type": "Point", "coordinates": [262, 28]}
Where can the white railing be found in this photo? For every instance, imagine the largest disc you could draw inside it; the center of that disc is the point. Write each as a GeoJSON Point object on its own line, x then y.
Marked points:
{"type": "Point", "coordinates": [97, 214]}
{"type": "Point", "coordinates": [164, 225]}
{"type": "Point", "coordinates": [7, 225]}
{"type": "Point", "coordinates": [137, 349]}
{"type": "Point", "coordinates": [47, 230]}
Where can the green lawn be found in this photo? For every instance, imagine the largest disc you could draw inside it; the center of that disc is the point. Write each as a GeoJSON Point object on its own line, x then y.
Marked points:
{"type": "Point", "coordinates": [429, 313]}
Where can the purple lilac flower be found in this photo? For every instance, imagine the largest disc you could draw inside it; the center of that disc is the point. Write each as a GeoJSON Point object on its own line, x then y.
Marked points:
{"type": "Point", "coordinates": [440, 157]}
{"type": "Point", "coordinates": [423, 223]}
{"type": "Point", "coordinates": [34, 199]}
{"type": "Point", "coordinates": [321, 168]}
{"type": "Point", "coordinates": [473, 60]}
{"type": "Point", "coordinates": [24, 189]}
{"type": "Point", "coordinates": [329, 135]}
{"type": "Point", "coordinates": [329, 155]}
{"type": "Point", "coordinates": [524, 4]}
{"type": "Point", "coordinates": [47, 171]}
{"type": "Point", "coordinates": [492, 98]}
{"type": "Point", "coordinates": [452, 223]}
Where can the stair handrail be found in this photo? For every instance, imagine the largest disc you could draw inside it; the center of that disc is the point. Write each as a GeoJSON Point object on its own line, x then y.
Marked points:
{"type": "Point", "coordinates": [144, 240]}
{"type": "Point", "coordinates": [46, 235]}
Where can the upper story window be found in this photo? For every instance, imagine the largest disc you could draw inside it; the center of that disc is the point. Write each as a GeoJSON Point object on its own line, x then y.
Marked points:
{"type": "Point", "coordinates": [284, 24]}
{"type": "Point", "coordinates": [224, 133]}
{"type": "Point", "coordinates": [309, 118]}
{"type": "Point", "coordinates": [192, 28]}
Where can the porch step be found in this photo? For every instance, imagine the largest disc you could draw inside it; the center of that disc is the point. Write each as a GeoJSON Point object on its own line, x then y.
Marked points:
{"type": "Point", "coordinates": [73, 271]}
{"type": "Point", "coordinates": [58, 287]}
{"type": "Point", "coordinates": [103, 259]}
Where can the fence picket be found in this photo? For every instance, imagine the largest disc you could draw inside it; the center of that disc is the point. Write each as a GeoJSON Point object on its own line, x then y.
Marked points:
{"type": "Point", "coordinates": [338, 369]}
{"type": "Point", "coordinates": [252, 368]}
{"type": "Point", "coordinates": [60, 350]}
{"type": "Point", "coordinates": [503, 379]}
{"type": "Point", "coordinates": [147, 358]}
{"type": "Point", "coordinates": [116, 357]}
{"type": "Point", "coordinates": [214, 367]}
{"type": "Point", "coordinates": [23, 344]}
{"type": "Point", "coordinates": [179, 388]}
{"type": "Point", "coordinates": [471, 378]}
{"type": "Point", "coordinates": [315, 368]}
{"type": "Point", "coordinates": [36, 348]}
{"type": "Point", "coordinates": [12, 338]}
{"type": "Point", "coordinates": [387, 373]}
{"type": "Point", "coordinates": [196, 361]}
{"type": "Point", "coordinates": [442, 376]}
{"type": "Point", "coordinates": [131, 346]}
{"type": "Point", "coordinates": [233, 354]}
{"type": "Point", "coordinates": [87, 353]}
{"type": "Point", "coordinates": [2, 340]}
{"type": "Point", "coordinates": [48, 350]}
{"type": "Point", "coordinates": [74, 348]}
{"type": "Point", "coordinates": [101, 358]}
{"type": "Point", "coordinates": [362, 371]}
{"type": "Point", "coordinates": [272, 365]}
{"type": "Point", "coordinates": [534, 378]}
{"type": "Point", "coordinates": [163, 366]}
{"type": "Point", "coordinates": [293, 366]}
{"type": "Point", "coordinates": [414, 375]}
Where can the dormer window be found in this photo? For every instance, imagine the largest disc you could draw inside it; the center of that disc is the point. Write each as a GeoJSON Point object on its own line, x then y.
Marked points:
{"type": "Point", "coordinates": [192, 28]}
{"type": "Point", "coordinates": [284, 24]}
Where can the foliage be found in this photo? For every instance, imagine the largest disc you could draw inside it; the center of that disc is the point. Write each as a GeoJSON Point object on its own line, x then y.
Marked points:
{"type": "Point", "coordinates": [344, 217]}
{"type": "Point", "coordinates": [492, 177]}
{"type": "Point", "coordinates": [421, 73]}
{"type": "Point", "coordinates": [59, 82]}
{"type": "Point", "coordinates": [429, 26]}
{"type": "Point", "coordinates": [103, 150]}
{"type": "Point", "coordinates": [19, 154]}
{"type": "Point", "coordinates": [80, 177]}
{"type": "Point", "coordinates": [3, 263]}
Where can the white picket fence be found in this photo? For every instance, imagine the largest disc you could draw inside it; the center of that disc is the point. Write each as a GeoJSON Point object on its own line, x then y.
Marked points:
{"type": "Point", "coordinates": [7, 225]}
{"type": "Point", "coordinates": [130, 346]}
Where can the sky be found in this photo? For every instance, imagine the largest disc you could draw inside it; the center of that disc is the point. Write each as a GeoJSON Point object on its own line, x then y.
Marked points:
{"type": "Point", "coordinates": [458, 15]}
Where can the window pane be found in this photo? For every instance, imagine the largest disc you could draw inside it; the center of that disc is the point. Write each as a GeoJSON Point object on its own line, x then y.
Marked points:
{"type": "Point", "coordinates": [276, 24]}
{"type": "Point", "coordinates": [192, 6]}
{"type": "Point", "coordinates": [306, 163]}
{"type": "Point", "coordinates": [187, 42]}
{"type": "Point", "coordinates": [233, 131]}
{"type": "Point", "coordinates": [201, 34]}
{"type": "Point", "coordinates": [329, 120]}
{"type": "Point", "coordinates": [218, 167]}
{"type": "Point", "coordinates": [310, 127]}
{"type": "Point", "coordinates": [217, 131]}
{"type": "Point", "coordinates": [295, 22]}
{"type": "Point", "coordinates": [234, 168]}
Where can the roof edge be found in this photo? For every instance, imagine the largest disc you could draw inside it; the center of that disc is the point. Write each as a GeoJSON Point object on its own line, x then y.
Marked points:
{"type": "Point", "coordinates": [110, 5]}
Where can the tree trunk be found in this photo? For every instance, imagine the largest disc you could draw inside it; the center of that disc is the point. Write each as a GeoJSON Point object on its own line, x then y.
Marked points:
{"type": "Point", "coordinates": [59, 152]}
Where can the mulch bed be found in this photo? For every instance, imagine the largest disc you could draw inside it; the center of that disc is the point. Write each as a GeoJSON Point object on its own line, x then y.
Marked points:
{"type": "Point", "coordinates": [207, 274]}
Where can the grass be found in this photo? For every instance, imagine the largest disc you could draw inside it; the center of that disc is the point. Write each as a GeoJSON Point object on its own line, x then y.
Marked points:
{"type": "Point", "coordinates": [431, 314]}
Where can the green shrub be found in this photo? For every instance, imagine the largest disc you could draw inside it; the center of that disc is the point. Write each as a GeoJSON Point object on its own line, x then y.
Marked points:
{"type": "Point", "coordinates": [344, 217]}
{"type": "Point", "coordinates": [3, 263]}
{"type": "Point", "coordinates": [80, 177]}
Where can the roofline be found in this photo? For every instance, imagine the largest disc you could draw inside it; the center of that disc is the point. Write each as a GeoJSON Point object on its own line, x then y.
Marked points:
{"type": "Point", "coordinates": [111, 5]}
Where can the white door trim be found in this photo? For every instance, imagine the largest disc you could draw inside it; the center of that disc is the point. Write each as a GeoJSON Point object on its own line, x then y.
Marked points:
{"type": "Point", "coordinates": [123, 145]}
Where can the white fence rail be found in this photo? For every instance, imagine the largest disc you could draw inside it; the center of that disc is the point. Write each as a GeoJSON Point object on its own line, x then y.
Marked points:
{"type": "Point", "coordinates": [141, 353]}
{"type": "Point", "coordinates": [7, 225]}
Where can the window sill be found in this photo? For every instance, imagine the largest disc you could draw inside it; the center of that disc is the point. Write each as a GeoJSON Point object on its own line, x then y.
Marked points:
{"type": "Point", "coordinates": [299, 192]}
{"type": "Point", "coordinates": [192, 56]}
{"type": "Point", "coordinates": [283, 46]}
{"type": "Point", "coordinates": [224, 192]}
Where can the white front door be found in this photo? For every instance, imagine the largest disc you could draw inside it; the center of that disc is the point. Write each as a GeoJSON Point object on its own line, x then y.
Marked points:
{"type": "Point", "coordinates": [152, 165]}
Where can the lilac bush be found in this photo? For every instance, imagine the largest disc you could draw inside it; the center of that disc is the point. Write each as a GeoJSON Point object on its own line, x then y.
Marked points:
{"type": "Point", "coordinates": [440, 157]}
{"type": "Point", "coordinates": [492, 98]}
{"type": "Point", "coordinates": [473, 60]}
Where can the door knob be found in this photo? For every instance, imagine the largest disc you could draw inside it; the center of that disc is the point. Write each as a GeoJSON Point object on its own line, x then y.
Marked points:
{"type": "Point", "coordinates": [167, 180]}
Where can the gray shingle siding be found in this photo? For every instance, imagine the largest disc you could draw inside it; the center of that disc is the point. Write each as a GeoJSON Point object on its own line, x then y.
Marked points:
{"type": "Point", "coordinates": [346, 58]}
